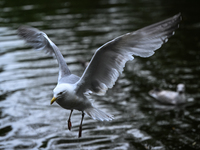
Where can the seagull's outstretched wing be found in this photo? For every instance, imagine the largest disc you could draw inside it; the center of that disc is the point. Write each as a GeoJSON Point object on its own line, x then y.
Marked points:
{"type": "Point", "coordinates": [40, 41]}
{"type": "Point", "coordinates": [109, 60]}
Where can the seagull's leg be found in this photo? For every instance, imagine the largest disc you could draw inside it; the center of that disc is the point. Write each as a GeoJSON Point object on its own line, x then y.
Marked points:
{"type": "Point", "coordinates": [69, 121]}
{"type": "Point", "coordinates": [80, 128]}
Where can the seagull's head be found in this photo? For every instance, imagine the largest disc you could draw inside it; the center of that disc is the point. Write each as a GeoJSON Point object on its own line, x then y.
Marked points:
{"type": "Point", "coordinates": [61, 90]}
{"type": "Point", "coordinates": [181, 88]}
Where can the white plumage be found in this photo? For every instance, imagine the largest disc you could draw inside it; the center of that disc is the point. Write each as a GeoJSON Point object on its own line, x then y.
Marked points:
{"type": "Point", "coordinates": [105, 66]}
{"type": "Point", "coordinates": [170, 97]}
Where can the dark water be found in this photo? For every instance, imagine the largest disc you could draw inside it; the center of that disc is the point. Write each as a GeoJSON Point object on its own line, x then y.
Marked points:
{"type": "Point", "coordinates": [27, 77]}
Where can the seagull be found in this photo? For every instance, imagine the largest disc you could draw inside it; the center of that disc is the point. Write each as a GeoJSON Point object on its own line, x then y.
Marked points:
{"type": "Point", "coordinates": [104, 68]}
{"type": "Point", "coordinates": [170, 97]}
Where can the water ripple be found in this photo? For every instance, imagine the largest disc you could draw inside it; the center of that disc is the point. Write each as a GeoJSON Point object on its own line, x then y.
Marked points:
{"type": "Point", "coordinates": [27, 78]}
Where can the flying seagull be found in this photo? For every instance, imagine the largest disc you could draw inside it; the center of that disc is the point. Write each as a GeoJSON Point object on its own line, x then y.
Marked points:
{"type": "Point", "coordinates": [104, 68]}
{"type": "Point", "coordinates": [170, 97]}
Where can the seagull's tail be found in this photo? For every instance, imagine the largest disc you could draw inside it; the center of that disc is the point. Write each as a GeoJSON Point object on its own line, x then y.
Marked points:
{"type": "Point", "coordinates": [97, 114]}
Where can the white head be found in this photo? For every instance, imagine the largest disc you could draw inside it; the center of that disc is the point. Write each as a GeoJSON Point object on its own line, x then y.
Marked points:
{"type": "Point", "coordinates": [181, 88]}
{"type": "Point", "coordinates": [61, 89]}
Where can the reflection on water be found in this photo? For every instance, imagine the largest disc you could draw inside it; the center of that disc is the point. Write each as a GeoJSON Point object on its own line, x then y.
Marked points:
{"type": "Point", "coordinates": [27, 77]}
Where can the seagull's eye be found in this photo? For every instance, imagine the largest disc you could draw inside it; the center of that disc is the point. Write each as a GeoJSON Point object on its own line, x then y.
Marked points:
{"type": "Point", "coordinates": [60, 93]}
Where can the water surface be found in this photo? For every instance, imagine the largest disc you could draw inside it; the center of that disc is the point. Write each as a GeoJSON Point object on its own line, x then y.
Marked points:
{"type": "Point", "coordinates": [78, 28]}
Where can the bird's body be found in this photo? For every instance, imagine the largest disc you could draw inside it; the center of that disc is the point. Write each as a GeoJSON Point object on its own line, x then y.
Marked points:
{"type": "Point", "coordinates": [170, 97]}
{"type": "Point", "coordinates": [105, 66]}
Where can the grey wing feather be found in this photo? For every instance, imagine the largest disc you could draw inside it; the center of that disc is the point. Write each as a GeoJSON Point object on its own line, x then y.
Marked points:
{"type": "Point", "coordinates": [164, 96]}
{"type": "Point", "coordinates": [109, 60]}
{"type": "Point", "coordinates": [40, 41]}
{"type": "Point", "coordinates": [71, 79]}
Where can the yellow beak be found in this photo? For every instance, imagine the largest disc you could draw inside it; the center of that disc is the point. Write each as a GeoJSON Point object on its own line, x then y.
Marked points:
{"type": "Point", "coordinates": [53, 100]}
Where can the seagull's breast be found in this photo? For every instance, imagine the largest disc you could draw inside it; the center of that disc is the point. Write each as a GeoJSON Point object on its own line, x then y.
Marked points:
{"type": "Point", "coordinates": [71, 101]}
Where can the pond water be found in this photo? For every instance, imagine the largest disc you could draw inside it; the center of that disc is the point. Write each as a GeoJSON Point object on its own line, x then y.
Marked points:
{"type": "Point", "coordinates": [78, 28]}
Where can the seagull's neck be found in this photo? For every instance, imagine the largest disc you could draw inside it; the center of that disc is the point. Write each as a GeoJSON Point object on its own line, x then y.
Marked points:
{"type": "Point", "coordinates": [180, 92]}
